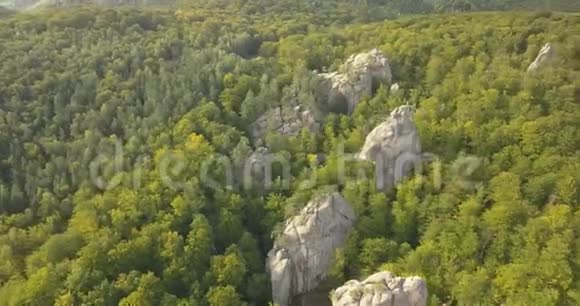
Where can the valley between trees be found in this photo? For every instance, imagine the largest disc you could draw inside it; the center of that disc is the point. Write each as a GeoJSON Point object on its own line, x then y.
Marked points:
{"type": "Point", "coordinates": [92, 99]}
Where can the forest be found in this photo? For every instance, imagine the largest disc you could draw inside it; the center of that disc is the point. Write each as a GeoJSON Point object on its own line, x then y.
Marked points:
{"type": "Point", "coordinates": [377, 8]}
{"type": "Point", "coordinates": [93, 100]}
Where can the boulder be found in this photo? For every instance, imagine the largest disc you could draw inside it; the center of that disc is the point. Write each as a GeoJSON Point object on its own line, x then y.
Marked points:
{"type": "Point", "coordinates": [546, 55]}
{"type": "Point", "coordinates": [394, 146]}
{"type": "Point", "coordinates": [304, 252]}
{"type": "Point", "coordinates": [288, 121]}
{"type": "Point", "coordinates": [358, 76]}
{"type": "Point", "coordinates": [382, 289]}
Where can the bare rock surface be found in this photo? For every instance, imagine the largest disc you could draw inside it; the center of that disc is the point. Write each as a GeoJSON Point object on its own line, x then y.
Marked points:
{"type": "Point", "coordinates": [288, 121]}
{"type": "Point", "coordinates": [545, 55]}
{"type": "Point", "coordinates": [304, 252]}
{"type": "Point", "coordinates": [382, 289]}
{"type": "Point", "coordinates": [394, 146]}
{"type": "Point", "coordinates": [357, 76]}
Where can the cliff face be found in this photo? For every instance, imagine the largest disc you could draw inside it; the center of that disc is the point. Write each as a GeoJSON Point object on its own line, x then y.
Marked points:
{"type": "Point", "coordinates": [382, 289]}
{"type": "Point", "coordinates": [394, 146]}
{"type": "Point", "coordinates": [305, 250]}
{"type": "Point", "coordinates": [358, 76]}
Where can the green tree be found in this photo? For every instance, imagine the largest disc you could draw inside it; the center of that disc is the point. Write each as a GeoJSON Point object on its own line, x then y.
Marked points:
{"type": "Point", "coordinates": [229, 269]}
{"type": "Point", "coordinates": [224, 296]}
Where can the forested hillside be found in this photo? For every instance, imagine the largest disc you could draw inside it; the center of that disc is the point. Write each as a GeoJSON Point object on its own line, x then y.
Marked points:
{"type": "Point", "coordinates": [376, 8]}
{"type": "Point", "coordinates": [109, 116]}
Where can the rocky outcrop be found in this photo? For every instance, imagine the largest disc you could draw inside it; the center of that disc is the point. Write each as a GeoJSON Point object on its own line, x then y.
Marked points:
{"type": "Point", "coordinates": [394, 146]}
{"type": "Point", "coordinates": [305, 250]}
{"type": "Point", "coordinates": [395, 87]}
{"type": "Point", "coordinates": [382, 289]}
{"type": "Point", "coordinates": [288, 121]}
{"type": "Point", "coordinates": [358, 77]}
{"type": "Point", "coordinates": [546, 55]}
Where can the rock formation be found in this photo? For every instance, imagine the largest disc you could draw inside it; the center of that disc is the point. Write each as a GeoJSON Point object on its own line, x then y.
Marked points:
{"type": "Point", "coordinates": [546, 54]}
{"type": "Point", "coordinates": [394, 146]}
{"type": "Point", "coordinates": [287, 121]}
{"type": "Point", "coordinates": [382, 289]}
{"type": "Point", "coordinates": [254, 168]}
{"type": "Point", "coordinates": [305, 250]}
{"type": "Point", "coordinates": [357, 77]}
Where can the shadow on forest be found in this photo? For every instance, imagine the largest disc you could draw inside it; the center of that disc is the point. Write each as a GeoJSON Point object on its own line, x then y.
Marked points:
{"type": "Point", "coordinates": [314, 298]}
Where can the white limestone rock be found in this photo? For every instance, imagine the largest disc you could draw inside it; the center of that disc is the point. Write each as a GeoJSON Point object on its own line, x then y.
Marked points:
{"type": "Point", "coordinates": [382, 289]}
{"type": "Point", "coordinates": [545, 55]}
{"type": "Point", "coordinates": [304, 252]}
{"type": "Point", "coordinates": [356, 77]}
{"type": "Point", "coordinates": [394, 146]}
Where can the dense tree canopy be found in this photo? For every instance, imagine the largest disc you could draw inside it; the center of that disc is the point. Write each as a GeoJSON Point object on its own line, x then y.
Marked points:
{"type": "Point", "coordinates": [112, 120]}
